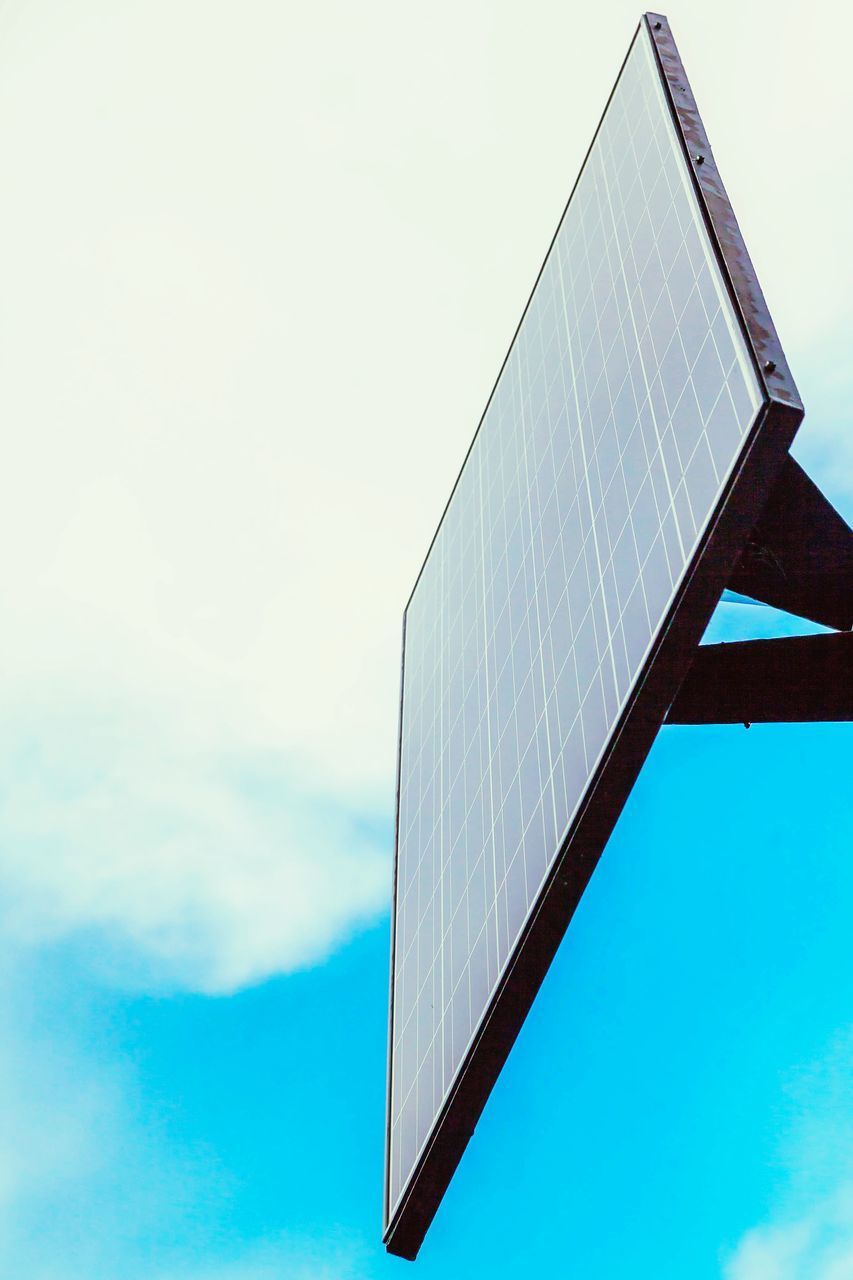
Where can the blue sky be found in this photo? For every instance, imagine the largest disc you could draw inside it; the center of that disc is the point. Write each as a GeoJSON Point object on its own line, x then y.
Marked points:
{"type": "Point", "coordinates": [260, 266]}
{"type": "Point", "coordinates": [684, 1076]}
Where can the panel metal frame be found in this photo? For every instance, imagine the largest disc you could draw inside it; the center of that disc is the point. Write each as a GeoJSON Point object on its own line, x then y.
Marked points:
{"type": "Point", "coordinates": [763, 453]}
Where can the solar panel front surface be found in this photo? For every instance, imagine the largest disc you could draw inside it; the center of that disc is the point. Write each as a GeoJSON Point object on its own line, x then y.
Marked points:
{"type": "Point", "coordinates": [624, 409]}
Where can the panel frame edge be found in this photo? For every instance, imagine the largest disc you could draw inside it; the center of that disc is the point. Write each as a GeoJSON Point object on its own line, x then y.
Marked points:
{"type": "Point", "coordinates": [386, 1190]}
{"type": "Point", "coordinates": [771, 367]}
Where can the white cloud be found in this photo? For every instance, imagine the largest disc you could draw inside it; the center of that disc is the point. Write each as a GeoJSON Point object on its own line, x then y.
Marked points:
{"type": "Point", "coordinates": [185, 866]}
{"type": "Point", "coordinates": [259, 271]}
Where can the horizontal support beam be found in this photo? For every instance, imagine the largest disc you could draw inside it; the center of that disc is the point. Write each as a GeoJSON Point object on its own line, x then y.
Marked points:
{"type": "Point", "coordinates": [800, 555]}
{"type": "Point", "coordinates": [793, 678]}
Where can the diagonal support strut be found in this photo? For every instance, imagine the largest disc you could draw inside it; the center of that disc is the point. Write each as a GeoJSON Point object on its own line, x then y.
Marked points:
{"type": "Point", "coordinates": [800, 555]}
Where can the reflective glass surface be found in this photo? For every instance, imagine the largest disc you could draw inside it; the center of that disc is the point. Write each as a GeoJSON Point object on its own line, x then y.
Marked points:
{"type": "Point", "coordinates": [619, 415]}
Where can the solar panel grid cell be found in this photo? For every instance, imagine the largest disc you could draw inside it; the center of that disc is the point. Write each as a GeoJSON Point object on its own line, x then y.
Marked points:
{"type": "Point", "coordinates": [616, 421]}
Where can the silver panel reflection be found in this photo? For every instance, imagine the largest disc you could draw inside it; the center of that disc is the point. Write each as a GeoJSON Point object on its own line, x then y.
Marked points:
{"type": "Point", "coordinates": [620, 413]}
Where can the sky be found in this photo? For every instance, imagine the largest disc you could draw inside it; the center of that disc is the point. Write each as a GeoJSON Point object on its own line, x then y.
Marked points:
{"type": "Point", "coordinates": [260, 264]}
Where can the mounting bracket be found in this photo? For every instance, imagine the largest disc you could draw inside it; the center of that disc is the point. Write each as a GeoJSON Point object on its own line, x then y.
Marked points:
{"type": "Point", "coordinates": [792, 678]}
{"type": "Point", "coordinates": [800, 559]}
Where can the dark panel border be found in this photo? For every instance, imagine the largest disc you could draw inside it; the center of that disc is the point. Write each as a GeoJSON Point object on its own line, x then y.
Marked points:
{"type": "Point", "coordinates": [739, 508]}
{"type": "Point", "coordinates": [768, 356]}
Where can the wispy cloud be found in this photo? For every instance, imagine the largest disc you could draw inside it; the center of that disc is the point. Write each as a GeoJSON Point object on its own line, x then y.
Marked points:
{"type": "Point", "coordinates": [62, 1112]}
{"type": "Point", "coordinates": [810, 1237]}
{"type": "Point", "coordinates": [818, 1246]}
{"type": "Point", "coordinates": [295, 1259]}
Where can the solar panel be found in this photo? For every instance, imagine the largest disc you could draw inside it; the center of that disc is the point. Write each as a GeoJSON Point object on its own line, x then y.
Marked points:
{"type": "Point", "coordinates": [629, 442]}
